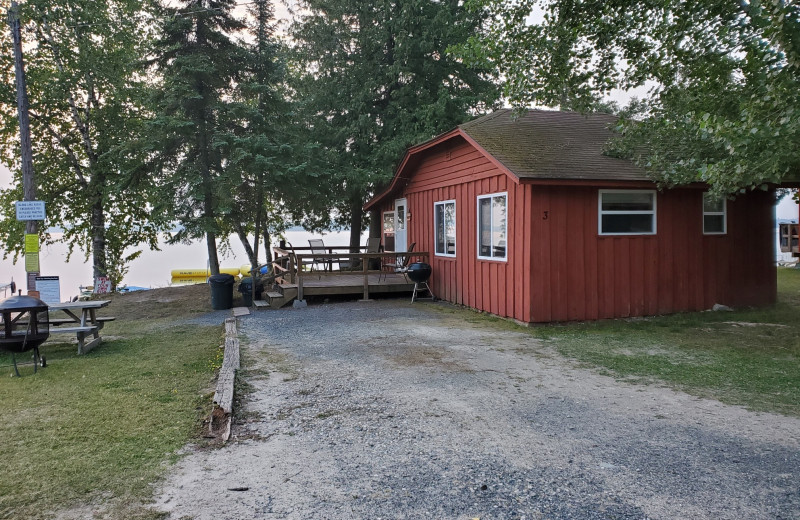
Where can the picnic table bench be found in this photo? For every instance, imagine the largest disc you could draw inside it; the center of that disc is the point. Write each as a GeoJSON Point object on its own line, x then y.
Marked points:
{"type": "Point", "coordinates": [82, 315]}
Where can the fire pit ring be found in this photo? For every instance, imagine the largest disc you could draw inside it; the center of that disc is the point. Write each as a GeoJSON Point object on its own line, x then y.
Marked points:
{"type": "Point", "coordinates": [24, 325]}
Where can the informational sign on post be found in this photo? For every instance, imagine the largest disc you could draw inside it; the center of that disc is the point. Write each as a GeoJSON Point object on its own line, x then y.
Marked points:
{"type": "Point", "coordinates": [31, 243]}
{"type": "Point", "coordinates": [30, 209]}
{"type": "Point", "coordinates": [32, 254]}
{"type": "Point", "coordinates": [49, 289]}
{"type": "Point", "coordinates": [102, 285]}
{"type": "Point", "coordinates": [32, 281]}
{"type": "Point", "coordinates": [32, 263]}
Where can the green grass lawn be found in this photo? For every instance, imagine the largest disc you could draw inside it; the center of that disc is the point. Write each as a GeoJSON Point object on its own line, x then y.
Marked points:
{"type": "Point", "coordinates": [749, 357]}
{"type": "Point", "coordinates": [97, 429]}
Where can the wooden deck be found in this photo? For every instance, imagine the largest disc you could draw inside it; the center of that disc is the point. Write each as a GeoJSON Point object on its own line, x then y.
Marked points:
{"type": "Point", "coordinates": [293, 272]}
{"type": "Point", "coordinates": [353, 284]}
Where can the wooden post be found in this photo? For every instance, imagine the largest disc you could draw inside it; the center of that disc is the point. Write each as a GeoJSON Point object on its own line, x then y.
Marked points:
{"type": "Point", "coordinates": [28, 179]}
{"type": "Point", "coordinates": [300, 278]}
{"type": "Point", "coordinates": [365, 269]}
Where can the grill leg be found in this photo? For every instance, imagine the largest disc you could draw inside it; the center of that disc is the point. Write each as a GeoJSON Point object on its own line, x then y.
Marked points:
{"type": "Point", "coordinates": [417, 289]}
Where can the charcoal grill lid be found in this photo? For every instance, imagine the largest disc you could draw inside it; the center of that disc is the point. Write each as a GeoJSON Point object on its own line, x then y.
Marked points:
{"type": "Point", "coordinates": [21, 303]}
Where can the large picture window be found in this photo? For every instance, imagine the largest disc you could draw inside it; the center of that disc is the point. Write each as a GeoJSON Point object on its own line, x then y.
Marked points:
{"type": "Point", "coordinates": [627, 212]}
{"type": "Point", "coordinates": [444, 216]}
{"type": "Point", "coordinates": [714, 221]}
{"type": "Point", "coordinates": [492, 226]}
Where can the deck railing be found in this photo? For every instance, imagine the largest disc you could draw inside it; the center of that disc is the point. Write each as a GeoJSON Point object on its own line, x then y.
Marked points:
{"type": "Point", "coordinates": [296, 264]}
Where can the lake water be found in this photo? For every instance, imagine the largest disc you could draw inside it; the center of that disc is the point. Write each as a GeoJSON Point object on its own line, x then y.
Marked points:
{"type": "Point", "coordinates": [153, 268]}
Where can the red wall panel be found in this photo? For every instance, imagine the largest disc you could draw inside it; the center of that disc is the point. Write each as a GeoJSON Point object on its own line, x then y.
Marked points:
{"type": "Point", "coordinates": [560, 269]}
{"type": "Point", "coordinates": [677, 269]}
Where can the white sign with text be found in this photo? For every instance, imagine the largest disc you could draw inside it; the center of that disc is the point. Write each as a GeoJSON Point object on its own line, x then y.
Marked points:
{"type": "Point", "coordinates": [30, 209]}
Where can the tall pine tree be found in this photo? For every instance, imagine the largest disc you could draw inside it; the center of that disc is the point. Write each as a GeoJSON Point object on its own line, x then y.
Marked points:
{"type": "Point", "coordinates": [377, 79]}
{"type": "Point", "coordinates": [200, 65]}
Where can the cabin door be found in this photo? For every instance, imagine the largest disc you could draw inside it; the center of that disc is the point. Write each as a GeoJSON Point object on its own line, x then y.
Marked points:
{"type": "Point", "coordinates": [400, 216]}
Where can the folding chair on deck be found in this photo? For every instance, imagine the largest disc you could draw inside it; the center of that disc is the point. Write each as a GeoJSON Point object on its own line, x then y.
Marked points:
{"type": "Point", "coordinates": [318, 248]}
{"type": "Point", "coordinates": [400, 265]}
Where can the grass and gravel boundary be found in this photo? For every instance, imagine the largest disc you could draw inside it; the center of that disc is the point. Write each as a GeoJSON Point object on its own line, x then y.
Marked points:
{"type": "Point", "coordinates": [747, 357]}
{"type": "Point", "coordinates": [89, 435]}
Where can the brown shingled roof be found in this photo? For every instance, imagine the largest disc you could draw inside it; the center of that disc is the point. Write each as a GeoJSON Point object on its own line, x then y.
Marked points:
{"type": "Point", "coordinates": [544, 144]}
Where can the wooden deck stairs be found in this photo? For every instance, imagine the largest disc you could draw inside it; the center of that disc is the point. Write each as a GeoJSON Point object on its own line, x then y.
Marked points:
{"type": "Point", "coordinates": [280, 296]}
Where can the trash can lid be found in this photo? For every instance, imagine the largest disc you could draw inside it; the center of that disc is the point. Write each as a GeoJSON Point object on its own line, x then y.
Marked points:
{"type": "Point", "coordinates": [221, 278]}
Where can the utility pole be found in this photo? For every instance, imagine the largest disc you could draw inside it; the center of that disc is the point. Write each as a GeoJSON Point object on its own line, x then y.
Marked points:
{"type": "Point", "coordinates": [28, 179]}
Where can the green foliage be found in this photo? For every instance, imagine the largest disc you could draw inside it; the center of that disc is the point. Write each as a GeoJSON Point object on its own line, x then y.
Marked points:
{"type": "Point", "coordinates": [377, 78]}
{"type": "Point", "coordinates": [723, 77]}
{"type": "Point", "coordinates": [277, 182]}
{"type": "Point", "coordinates": [87, 100]}
{"type": "Point", "coordinates": [199, 65]}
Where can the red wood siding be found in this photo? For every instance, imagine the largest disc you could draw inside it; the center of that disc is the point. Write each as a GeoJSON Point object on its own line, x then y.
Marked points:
{"type": "Point", "coordinates": [560, 269]}
{"type": "Point", "coordinates": [587, 276]}
{"type": "Point", "coordinates": [457, 171]}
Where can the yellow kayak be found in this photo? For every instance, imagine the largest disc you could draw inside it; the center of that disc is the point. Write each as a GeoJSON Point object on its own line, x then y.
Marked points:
{"type": "Point", "coordinates": [202, 273]}
{"type": "Point", "coordinates": [187, 280]}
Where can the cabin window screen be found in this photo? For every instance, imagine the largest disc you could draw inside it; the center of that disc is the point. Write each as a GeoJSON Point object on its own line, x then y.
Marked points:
{"type": "Point", "coordinates": [714, 215]}
{"type": "Point", "coordinates": [444, 222]}
{"type": "Point", "coordinates": [492, 226]}
{"type": "Point", "coordinates": [627, 212]}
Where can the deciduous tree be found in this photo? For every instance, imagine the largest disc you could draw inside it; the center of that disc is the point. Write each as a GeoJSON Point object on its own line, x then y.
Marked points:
{"type": "Point", "coordinates": [723, 76]}
{"type": "Point", "coordinates": [86, 94]}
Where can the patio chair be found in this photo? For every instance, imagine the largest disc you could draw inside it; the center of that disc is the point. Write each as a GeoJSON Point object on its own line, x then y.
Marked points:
{"type": "Point", "coordinates": [318, 248]}
{"type": "Point", "coordinates": [373, 245]}
{"type": "Point", "coordinates": [400, 265]}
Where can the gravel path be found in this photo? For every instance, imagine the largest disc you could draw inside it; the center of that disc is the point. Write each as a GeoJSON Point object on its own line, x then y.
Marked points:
{"type": "Point", "coordinates": [392, 410]}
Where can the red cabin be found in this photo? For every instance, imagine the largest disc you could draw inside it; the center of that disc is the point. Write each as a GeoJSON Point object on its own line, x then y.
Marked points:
{"type": "Point", "coordinates": [527, 219]}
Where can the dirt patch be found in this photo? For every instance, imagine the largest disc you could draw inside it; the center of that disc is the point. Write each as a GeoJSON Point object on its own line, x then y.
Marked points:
{"type": "Point", "coordinates": [166, 302]}
{"type": "Point", "coordinates": [750, 324]}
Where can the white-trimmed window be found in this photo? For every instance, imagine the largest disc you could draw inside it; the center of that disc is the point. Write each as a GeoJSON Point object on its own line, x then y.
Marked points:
{"type": "Point", "coordinates": [627, 212]}
{"type": "Point", "coordinates": [444, 223]}
{"type": "Point", "coordinates": [492, 226]}
{"type": "Point", "coordinates": [714, 215]}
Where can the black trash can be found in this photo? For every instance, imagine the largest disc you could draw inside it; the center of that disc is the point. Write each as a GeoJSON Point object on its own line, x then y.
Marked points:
{"type": "Point", "coordinates": [246, 288]}
{"type": "Point", "coordinates": [221, 291]}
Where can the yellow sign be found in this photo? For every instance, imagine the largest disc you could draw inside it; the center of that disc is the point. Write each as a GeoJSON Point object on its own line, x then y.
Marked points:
{"type": "Point", "coordinates": [31, 243]}
{"type": "Point", "coordinates": [32, 262]}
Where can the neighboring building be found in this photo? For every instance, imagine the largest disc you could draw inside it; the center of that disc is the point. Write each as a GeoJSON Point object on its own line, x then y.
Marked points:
{"type": "Point", "coordinates": [527, 219]}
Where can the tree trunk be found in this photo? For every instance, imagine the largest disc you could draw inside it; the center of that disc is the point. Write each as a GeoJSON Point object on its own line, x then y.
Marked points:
{"type": "Point", "coordinates": [356, 224]}
{"type": "Point", "coordinates": [267, 245]}
{"type": "Point", "coordinates": [211, 244]}
{"type": "Point", "coordinates": [98, 222]}
{"type": "Point", "coordinates": [248, 249]}
{"type": "Point", "coordinates": [374, 224]}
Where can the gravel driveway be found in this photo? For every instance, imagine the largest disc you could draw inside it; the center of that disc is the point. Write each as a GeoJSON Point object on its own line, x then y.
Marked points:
{"type": "Point", "coordinates": [392, 410]}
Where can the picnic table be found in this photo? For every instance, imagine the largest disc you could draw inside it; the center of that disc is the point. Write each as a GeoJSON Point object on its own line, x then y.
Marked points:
{"type": "Point", "coordinates": [82, 320]}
